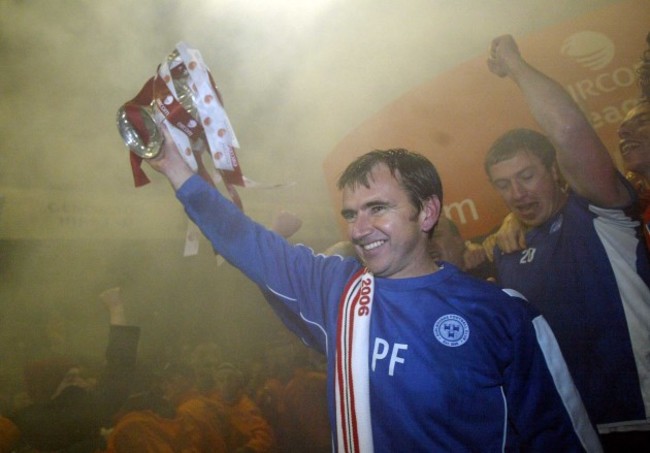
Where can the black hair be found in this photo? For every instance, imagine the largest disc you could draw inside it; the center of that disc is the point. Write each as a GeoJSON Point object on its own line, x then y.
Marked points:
{"type": "Point", "coordinates": [643, 70]}
{"type": "Point", "coordinates": [414, 172]}
{"type": "Point", "coordinates": [516, 140]}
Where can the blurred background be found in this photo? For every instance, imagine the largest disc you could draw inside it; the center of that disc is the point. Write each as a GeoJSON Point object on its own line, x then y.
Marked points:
{"type": "Point", "coordinates": [296, 76]}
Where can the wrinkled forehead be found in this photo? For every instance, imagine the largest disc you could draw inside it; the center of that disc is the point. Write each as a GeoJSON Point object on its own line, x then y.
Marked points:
{"type": "Point", "coordinates": [519, 159]}
{"type": "Point", "coordinates": [378, 172]}
{"type": "Point", "coordinates": [378, 184]}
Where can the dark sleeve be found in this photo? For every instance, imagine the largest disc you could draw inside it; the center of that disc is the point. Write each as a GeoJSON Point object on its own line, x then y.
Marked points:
{"type": "Point", "coordinates": [117, 379]}
{"type": "Point", "coordinates": [543, 403]}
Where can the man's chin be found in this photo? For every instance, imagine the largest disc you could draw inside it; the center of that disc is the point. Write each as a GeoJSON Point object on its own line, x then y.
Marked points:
{"type": "Point", "coordinates": [528, 221]}
{"type": "Point", "coordinates": [374, 269]}
{"type": "Point", "coordinates": [639, 166]}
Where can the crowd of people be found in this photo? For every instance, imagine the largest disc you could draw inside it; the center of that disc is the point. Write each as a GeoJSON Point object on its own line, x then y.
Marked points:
{"type": "Point", "coordinates": [536, 339]}
{"type": "Point", "coordinates": [195, 402]}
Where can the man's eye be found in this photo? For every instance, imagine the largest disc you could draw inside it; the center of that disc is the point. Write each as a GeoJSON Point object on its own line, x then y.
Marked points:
{"type": "Point", "coordinates": [348, 216]}
{"type": "Point", "coordinates": [378, 209]}
{"type": "Point", "coordinates": [527, 175]}
{"type": "Point", "coordinates": [501, 185]}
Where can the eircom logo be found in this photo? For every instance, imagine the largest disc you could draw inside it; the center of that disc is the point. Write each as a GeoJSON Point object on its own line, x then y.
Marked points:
{"type": "Point", "coordinates": [590, 49]}
{"type": "Point", "coordinates": [451, 330]}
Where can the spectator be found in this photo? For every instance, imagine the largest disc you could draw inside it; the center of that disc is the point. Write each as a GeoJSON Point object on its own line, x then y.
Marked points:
{"type": "Point", "coordinates": [67, 409]}
{"type": "Point", "coordinates": [9, 435]}
{"type": "Point", "coordinates": [248, 430]}
{"type": "Point", "coordinates": [148, 424]}
{"type": "Point", "coordinates": [634, 146]}
{"type": "Point", "coordinates": [203, 420]}
{"type": "Point", "coordinates": [303, 423]}
{"type": "Point", "coordinates": [205, 360]}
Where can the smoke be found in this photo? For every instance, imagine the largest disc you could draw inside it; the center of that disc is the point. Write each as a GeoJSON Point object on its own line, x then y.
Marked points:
{"type": "Point", "coordinates": [296, 77]}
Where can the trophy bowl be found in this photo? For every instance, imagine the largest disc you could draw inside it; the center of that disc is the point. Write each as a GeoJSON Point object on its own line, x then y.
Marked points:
{"type": "Point", "coordinates": [139, 130]}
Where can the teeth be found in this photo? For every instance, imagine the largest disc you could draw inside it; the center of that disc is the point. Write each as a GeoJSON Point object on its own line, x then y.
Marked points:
{"type": "Point", "coordinates": [526, 207]}
{"type": "Point", "coordinates": [372, 245]}
{"type": "Point", "coordinates": [628, 146]}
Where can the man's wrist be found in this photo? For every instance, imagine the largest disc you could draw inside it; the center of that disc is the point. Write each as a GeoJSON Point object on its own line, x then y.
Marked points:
{"type": "Point", "coordinates": [177, 176]}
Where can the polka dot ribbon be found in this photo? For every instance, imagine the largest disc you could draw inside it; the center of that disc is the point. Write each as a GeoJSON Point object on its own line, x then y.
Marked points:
{"type": "Point", "coordinates": [183, 96]}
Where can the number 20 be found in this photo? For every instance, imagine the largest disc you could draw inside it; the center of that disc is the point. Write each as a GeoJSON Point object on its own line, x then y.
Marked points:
{"type": "Point", "coordinates": [527, 256]}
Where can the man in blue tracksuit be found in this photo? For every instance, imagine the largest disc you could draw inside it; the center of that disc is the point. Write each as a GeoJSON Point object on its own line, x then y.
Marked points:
{"type": "Point", "coordinates": [584, 264]}
{"type": "Point", "coordinates": [421, 357]}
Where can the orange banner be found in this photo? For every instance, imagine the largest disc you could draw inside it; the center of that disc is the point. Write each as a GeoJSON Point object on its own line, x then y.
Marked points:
{"type": "Point", "coordinates": [454, 118]}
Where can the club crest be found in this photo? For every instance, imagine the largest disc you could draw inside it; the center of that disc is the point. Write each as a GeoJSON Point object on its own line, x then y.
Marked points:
{"type": "Point", "coordinates": [451, 330]}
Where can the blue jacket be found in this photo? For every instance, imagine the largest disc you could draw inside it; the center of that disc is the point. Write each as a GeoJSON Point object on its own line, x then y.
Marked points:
{"type": "Point", "coordinates": [456, 364]}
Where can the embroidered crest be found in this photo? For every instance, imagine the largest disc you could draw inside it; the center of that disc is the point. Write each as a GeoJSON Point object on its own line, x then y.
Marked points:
{"type": "Point", "coordinates": [451, 330]}
{"type": "Point", "coordinates": [556, 225]}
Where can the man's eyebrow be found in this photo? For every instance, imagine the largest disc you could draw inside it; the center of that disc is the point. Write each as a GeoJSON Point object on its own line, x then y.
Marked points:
{"type": "Point", "coordinates": [525, 169]}
{"type": "Point", "coordinates": [507, 180]}
{"type": "Point", "coordinates": [368, 205]}
{"type": "Point", "coordinates": [645, 116]}
{"type": "Point", "coordinates": [519, 172]}
{"type": "Point", "coordinates": [640, 118]}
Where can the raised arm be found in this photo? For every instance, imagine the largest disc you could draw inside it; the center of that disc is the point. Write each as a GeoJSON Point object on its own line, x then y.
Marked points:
{"type": "Point", "coordinates": [121, 355]}
{"type": "Point", "coordinates": [581, 155]}
{"type": "Point", "coordinates": [112, 300]}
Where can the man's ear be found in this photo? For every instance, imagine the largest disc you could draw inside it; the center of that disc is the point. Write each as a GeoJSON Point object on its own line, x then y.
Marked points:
{"type": "Point", "coordinates": [429, 213]}
{"type": "Point", "coordinates": [558, 177]}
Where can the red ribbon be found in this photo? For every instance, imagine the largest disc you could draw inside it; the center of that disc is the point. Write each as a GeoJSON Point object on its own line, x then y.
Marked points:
{"type": "Point", "coordinates": [155, 90]}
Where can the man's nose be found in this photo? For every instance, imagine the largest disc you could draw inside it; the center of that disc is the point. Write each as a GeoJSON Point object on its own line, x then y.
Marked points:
{"type": "Point", "coordinates": [361, 227]}
{"type": "Point", "coordinates": [623, 132]}
{"type": "Point", "coordinates": [517, 190]}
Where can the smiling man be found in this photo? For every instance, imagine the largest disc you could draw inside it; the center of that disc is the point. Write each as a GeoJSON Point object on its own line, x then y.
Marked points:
{"type": "Point", "coordinates": [634, 146]}
{"type": "Point", "coordinates": [421, 357]}
{"type": "Point", "coordinates": [584, 265]}
{"type": "Point", "coordinates": [388, 226]}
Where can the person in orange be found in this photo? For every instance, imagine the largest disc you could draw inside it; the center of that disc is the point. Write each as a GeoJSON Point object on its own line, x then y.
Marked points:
{"type": "Point", "coordinates": [203, 420]}
{"type": "Point", "coordinates": [304, 423]}
{"type": "Point", "coordinates": [248, 430]}
{"type": "Point", "coordinates": [147, 424]}
{"type": "Point", "coordinates": [9, 435]}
